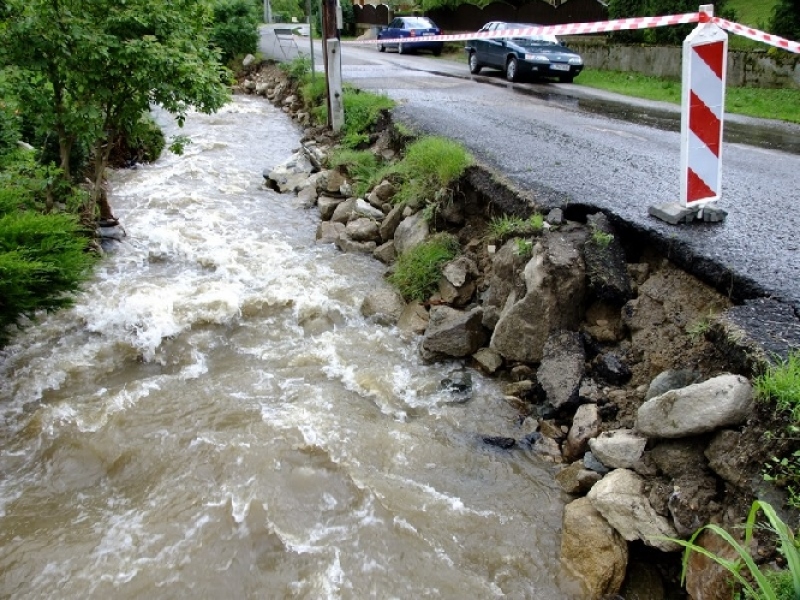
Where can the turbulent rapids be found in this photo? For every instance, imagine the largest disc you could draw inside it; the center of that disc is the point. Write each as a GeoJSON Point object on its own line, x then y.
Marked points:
{"type": "Point", "coordinates": [215, 419]}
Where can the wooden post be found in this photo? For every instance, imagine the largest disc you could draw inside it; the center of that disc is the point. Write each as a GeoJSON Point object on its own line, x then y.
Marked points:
{"type": "Point", "coordinates": [330, 34]}
{"type": "Point", "coordinates": [335, 101]}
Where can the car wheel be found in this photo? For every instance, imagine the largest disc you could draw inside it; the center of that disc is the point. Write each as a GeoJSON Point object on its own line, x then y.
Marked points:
{"type": "Point", "coordinates": [566, 78]}
{"type": "Point", "coordinates": [474, 65]}
{"type": "Point", "coordinates": [401, 49]}
{"type": "Point", "coordinates": [511, 69]}
{"type": "Point", "coordinates": [381, 48]}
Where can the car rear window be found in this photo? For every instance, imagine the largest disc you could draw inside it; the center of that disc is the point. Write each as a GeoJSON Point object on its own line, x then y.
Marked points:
{"type": "Point", "coordinates": [417, 23]}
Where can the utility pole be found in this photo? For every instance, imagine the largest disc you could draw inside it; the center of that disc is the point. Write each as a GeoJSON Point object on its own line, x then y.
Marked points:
{"type": "Point", "coordinates": [311, 37]}
{"type": "Point", "coordinates": [331, 51]}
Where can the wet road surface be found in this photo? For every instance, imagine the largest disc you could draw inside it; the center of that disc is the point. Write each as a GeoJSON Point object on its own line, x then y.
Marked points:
{"type": "Point", "coordinates": [573, 147]}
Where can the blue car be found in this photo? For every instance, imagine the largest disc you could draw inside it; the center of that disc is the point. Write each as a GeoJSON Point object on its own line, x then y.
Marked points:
{"type": "Point", "coordinates": [538, 55]}
{"type": "Point", "coordinates": [410, 27]}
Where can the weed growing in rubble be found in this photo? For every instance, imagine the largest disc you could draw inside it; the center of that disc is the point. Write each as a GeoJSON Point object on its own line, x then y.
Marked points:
{"type": "Point", "coordinates": [601, 238]}
{"type": "Point", "coordinates": [524, 247]}
{"type": "Point", "coordinates": [757, 585]}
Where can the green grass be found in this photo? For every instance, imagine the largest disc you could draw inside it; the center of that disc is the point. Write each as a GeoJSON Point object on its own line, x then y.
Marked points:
{"type": "Point", "coordinates": [780, 104]}
{"type": "Point", "coordinates": [417, 271]}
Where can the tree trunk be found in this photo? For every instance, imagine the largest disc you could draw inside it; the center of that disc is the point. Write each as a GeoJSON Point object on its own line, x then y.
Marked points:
{"type": "Point", "coordinates": [98, 192]}
{"type": "Point", "coordinates": [64, 150]}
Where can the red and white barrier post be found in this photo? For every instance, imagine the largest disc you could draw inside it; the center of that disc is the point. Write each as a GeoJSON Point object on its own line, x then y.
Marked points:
{"type": "Point", "coordinates": [705, 53]}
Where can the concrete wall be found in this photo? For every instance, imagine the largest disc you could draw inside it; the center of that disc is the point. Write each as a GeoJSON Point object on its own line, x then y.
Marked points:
{"type": "Point", "coordinates": [775, 69]}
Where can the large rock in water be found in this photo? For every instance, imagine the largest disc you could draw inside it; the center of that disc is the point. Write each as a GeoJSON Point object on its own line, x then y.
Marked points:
{"type": "Point", "coordinates": [699, 408]}
{"type": "Point", "coordinates": [555, 284]}
{"type": "Point", "coordinates": [592, 550]}
{"type": "Point", "coordinates": [384, 305]}
{"type": "Point", "coordinates": [453, 332]}
{"type": "Point", "coordinates": [620, 498]}
{"type": "Point", "coordinates": [290, 175]}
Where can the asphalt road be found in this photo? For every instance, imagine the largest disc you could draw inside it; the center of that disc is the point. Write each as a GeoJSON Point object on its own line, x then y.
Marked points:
{"type": "Point", "coordinates": [584, 150]}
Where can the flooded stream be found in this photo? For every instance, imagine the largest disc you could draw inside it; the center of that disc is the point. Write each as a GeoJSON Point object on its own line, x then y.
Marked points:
{"type": "Point", "coordinates": [215, 419]}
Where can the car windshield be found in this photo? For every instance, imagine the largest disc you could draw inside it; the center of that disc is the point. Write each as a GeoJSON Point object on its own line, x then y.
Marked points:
{"type": "Point", "coordinates": [532, 40]}
{"type": "Point", "coordinates": [418, 23]}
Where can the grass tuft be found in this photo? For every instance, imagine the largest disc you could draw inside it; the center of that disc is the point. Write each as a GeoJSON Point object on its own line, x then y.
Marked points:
{"type": "Point", "coordinates": [503, 227]}
{"type": "Point", "coordinates": [430, 164]}
{"type": "Point", "coordinates": [362, 166]}
{"type": "Point", "coordinates": [361, 113]}
{"type": "Point", "coordinates": [417, 272]}
{"type": "Point", "coordinates": [780, 383]}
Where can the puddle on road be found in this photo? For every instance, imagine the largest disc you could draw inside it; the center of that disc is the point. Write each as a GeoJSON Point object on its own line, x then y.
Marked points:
{"type": "Point", "coordinates": [773, 138]}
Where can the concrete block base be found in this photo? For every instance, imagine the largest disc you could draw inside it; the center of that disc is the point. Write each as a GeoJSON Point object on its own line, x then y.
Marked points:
{"type": "Point", "coordinates": [675, 214]}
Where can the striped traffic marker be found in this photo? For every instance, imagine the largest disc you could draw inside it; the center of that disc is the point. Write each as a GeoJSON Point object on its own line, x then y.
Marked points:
{"type": "Point", "coordinates": [705, 53]}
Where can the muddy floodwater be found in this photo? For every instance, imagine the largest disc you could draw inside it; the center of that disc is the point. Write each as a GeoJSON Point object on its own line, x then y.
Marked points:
{"type": "Point", "coordinates": [215, 419]}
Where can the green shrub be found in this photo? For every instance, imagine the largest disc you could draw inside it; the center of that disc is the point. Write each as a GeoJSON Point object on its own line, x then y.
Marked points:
{"type": "Point", "coordinates": [779, 384]}
{"type": "Point", "coordinates": [524, 247]}
{"type": "Point", "coordinates": [417, 272]}
{"type": "Point", "coordinates": [312, 92]}
{"type": "Point", "coordinates": [786, 19]}
{"type": "Point", "coordinates": [298, 69]}
{"type": "Point", "coordinates": [235, 28]}
{"type": "Point", "coordinates": [43, 259]}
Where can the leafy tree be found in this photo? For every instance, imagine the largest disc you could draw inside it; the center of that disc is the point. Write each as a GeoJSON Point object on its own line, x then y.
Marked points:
{"type": "Point", "coordinates": [235, 27]}
{"type": "Point", "coordinates": [786, 19]}
{"type": "Point", "coordinates": [621, 9]}
{"type": "Point", "coordinates": [294, 8]}
{"type": "Point", "coordinates": [88, 69]}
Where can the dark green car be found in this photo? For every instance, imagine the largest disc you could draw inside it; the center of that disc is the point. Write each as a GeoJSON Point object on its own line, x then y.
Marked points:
{"type": "Point", "coordinates": [536, 55]}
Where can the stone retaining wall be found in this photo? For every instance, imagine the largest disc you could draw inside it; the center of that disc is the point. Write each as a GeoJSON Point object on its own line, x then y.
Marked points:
{"type": "Point", "coordinates": [763, 69]}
